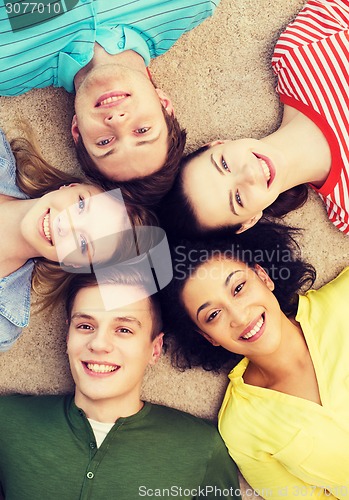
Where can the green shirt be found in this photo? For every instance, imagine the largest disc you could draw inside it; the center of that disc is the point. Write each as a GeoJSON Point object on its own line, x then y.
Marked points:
{"type": "Point", "coordinates": [48, 451]}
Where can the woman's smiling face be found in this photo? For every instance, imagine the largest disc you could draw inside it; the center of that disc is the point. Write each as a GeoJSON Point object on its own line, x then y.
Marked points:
{"type": "Point", "coordinates": [232, 182]}
{"type": "Point", "coordinates": [76, 225]}
{"type": "Point", "coordinates": [233, 306]}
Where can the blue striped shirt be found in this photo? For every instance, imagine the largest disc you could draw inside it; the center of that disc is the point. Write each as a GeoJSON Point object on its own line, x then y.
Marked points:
{"type": "Point", "coordinates": [51, 52]}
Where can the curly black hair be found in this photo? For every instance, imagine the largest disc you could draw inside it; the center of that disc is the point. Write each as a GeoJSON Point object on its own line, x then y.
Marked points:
{"type": "Point", "coordinates": [272, 246]}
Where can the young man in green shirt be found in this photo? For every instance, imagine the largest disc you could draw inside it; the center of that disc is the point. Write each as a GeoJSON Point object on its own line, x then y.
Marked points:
{"type": "Point", "coordinates": [104, 441]}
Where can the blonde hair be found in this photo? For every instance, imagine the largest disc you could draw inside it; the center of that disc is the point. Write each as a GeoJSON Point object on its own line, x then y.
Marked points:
{"type": "Point", "coordinates": [36, 177]}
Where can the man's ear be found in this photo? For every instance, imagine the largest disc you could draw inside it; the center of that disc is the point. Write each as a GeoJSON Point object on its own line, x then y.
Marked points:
{"type": "Point", "coordinates": [75, 129]}
{"type": "Point", "coordinates": [264, 276]}
{"type": "Point", "coordinates": [157, 349]}
{"type": "Point", "coordinates": [165, 101]}
{"type": "Point", "coordinates": [250, 223]}
{"type": "Point", "coordinates": [215, 143]}
{"type": "Point", "coordinates": [207, 337]}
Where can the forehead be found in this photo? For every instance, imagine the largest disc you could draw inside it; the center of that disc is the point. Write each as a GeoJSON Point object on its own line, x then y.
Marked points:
{"type": "Point", "coordinates": [128, 301]}
{"type": "Point", "coordinates": [218, 271]}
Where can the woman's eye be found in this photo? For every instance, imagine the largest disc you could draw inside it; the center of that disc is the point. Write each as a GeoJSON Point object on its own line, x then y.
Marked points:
{"type": "Point", "coordinates": [238, 199]}
{"type": "Point", "coordinates": [81, 204]}
{"type": "Point", "coordinates": [83, 245]}
{"type": "Point", "coordinates": [104, 142]}
{"type": "Point", "coordinates": [238, 288]}
{"type": "Point", "coordinates": [225, 165]}
{"type": "Point", "coordinates": [142, 130]}
{"type": "Point", "coordinates": [212, 316]}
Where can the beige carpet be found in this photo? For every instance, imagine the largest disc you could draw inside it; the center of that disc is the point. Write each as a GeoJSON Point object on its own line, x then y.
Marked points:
{"type": "Point", "coordinates": [221, 82]}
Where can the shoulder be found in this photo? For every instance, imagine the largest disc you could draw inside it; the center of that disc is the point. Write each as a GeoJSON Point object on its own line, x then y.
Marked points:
{"type": "Point", "coordinates": [325, 17]}
{"type": "Point", "coordinates": [336, 290]}
{"type": "Point", "coordinates": [182, 422]}
{"type": "Point", "coordinates": [325, 310]}
{"type": "Point", "coordinates": [21, 407]}
{"type": "Point", "coordinates": [8, 184]}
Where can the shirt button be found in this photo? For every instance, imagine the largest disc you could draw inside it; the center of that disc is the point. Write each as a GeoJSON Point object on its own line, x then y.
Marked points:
{"type": "Point", "coordinates": [92, 445]}
{"type": "Point", "coordinates": [90, 475]}
{"type": "Point", "coordinates": [121, 45]}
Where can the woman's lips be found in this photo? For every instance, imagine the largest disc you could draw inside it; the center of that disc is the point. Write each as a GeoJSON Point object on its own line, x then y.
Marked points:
{"type": "Point", "coordinates": [254, 331]}
{"type": "Point", "coordinates": [45, 227]}
{"type": "Point", "coordinates": [267, 168]}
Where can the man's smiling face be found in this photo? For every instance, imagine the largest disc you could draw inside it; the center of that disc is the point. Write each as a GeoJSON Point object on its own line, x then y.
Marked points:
{"type": "Point", "coordinates": [120, 118]}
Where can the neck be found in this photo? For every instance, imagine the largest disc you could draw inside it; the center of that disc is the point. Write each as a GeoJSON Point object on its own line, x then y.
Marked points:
{"type": "Point", "coordinates": [128, 58]}
{"type": "Point", "coordinates": [268, 371]}
{"type": "Point", "coordinates": [109, 410]}
{"type": "Point", "coordinates": [306, 152]}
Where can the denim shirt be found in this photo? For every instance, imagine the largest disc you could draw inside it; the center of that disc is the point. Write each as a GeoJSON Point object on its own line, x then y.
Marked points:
{"type": "Point", "coordinates": [14, 288]}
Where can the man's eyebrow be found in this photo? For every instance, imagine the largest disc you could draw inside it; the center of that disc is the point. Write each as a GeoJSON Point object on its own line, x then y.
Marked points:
{"type": "Point", "coordinates": [139, 143]}
{"type": "Point", "coordinates": [231, 203]}
{"type": "Point", "coordinates": [128, 319]}
{"type": "Point", "coordinates": [150, 141]}
{"type": "Point", "coordinates": [104, 155]}
{"type": "Point", "coordinates": [124, 319]}
{"type": "Point", "coordinates": [80, 315]}
{"type": "Point", "coordinates": [215, 164]}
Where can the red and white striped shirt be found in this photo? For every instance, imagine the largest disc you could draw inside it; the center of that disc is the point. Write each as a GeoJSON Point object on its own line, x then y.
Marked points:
{"type": "Point", "coordinates": [311, 60]}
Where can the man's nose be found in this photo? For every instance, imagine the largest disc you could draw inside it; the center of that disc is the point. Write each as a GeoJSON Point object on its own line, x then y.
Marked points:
{"type": "Point", "coordinates": [115, 117]}
{"type": "Point", "coordinates": [100, 341]}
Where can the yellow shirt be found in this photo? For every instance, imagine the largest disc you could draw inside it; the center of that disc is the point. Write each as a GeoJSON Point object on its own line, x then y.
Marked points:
{"type": "Point", "coordinates": [290, 447]}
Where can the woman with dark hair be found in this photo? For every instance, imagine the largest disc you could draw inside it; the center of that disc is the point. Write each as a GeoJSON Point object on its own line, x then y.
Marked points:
{"type": "Point", "coordinates": [51, 222]}
{"type": "Point", "coordinates": [235, 183]}
{"type": "Point", "coordinates": [285, 415]}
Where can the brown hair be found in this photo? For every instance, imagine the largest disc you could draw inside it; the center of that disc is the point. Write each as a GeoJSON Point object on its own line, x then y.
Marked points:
{"type": "Point", "coordinates": [147, 190]}
{"type": "Point", "coordinates": [36, 177]}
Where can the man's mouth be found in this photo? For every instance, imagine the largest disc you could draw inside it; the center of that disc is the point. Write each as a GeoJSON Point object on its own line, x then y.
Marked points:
{"type": "Point", "coordinates": [253, 331]}
{"type": "Point", "coordinates": [46, 227]}
{"type": "Point", "coordinates": [111, 99]}
{"type": "Point", "coordinates": [101, 367]}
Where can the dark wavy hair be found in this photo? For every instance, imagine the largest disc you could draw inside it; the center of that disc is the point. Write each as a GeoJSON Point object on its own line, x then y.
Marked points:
{"type": "Point", "coordinates": [147, 190]}
{"type": "Point", "coordinates": [272, 246]}
{"type": "Point", "coordinates": [177, 215]}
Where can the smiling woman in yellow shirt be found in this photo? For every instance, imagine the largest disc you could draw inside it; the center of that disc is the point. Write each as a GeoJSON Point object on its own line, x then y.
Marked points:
{"type": "Point", "coordinates": [285, 415]}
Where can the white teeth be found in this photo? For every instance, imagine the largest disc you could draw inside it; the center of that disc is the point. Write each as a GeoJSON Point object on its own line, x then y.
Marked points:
{"type": "Point", "coordinates": [265, 168]}
{"type": "Point", "coordinates": [255, 330]}
{"type": "Point", "coordinates": [94, 367]}
{"type": "Point", "coordinates": [46, 227]}
{"type": "Point", "coordinates": [115, 98]}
